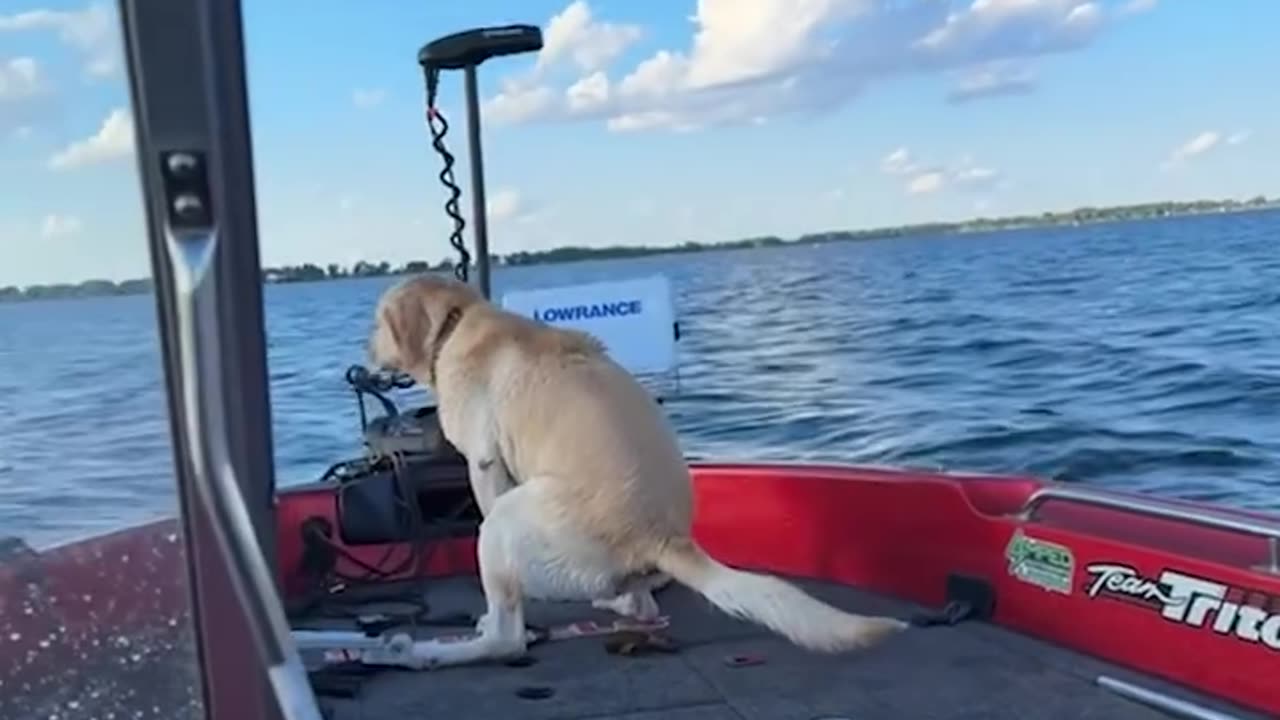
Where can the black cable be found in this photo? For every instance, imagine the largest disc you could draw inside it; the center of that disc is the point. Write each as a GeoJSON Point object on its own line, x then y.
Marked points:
{"type": "Point", "coordinates": [446, 174]}
{"type": "Point", "coordinates": [419, 541]}
{"type": "Point", "coordinates": [327, 599]}
{"type": "Point", "coordinates": [354, 471]}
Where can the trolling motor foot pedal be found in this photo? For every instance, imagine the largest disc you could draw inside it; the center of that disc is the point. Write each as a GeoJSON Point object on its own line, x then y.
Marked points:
{"type": "Point", "coordinates": [968, 598]}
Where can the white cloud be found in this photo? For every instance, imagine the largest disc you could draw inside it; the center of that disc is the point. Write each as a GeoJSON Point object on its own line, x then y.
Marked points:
{"type": "Point", "coordinates": [114, 139]}
{"type": "Point", "coordinates": [650, 120]}
{"type": "Point", "coordinates": [1014, 27]}
{"type": "Point", "coordinates": [920, 179]}
{"type": "Point", "coordinates": [519, 101]}
{"type": "Point", "coordinates": [749, 61]}
{"type": "Point", "coordinates": [20, 78]}
{"type": "Point", "coordinates": [1201, 144]}
{"type": "Point", "coordinates": [26, 97]}
{"type": "Point", "coordinates": [92, 31]}
{"type": "Point", "coordinates": [899, 162]}
{"type": "Point", "coordinates": [55, 225]}
{"type": "Point", "coordinates": [1198, 145]}
{"type": "Point", "coordinates": [1137, 7]}
{"type": "Point", "coordinates": [991, 80]}
{"type": "Point", "coordinates": [976, 177]}
{"type": "Point", "coordinates": [574, 37]}
{"type": "Point", "coordinates": [516, 224]}
{"type": "Point", "coordinates": [926, 183]}
{"type": "Point", "coordinates": [504, 205]}
{"type": "Point", "coordinates": [741, 42]}
{"type": "Point", "coordinates": [924, 178]}
{"type": "Point", "coordinates": [367, 98]}
{"type": "Point", "coordinates": [573, 34]}
{"type": "Point", "coordinates": [589, 93]}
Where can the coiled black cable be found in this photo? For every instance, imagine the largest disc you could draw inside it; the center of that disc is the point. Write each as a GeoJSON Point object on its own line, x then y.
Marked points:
{"type": "Point", "coordinates": [446, 174]}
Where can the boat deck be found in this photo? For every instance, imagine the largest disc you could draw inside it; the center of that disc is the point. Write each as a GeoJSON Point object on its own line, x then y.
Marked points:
{"type": "Point", "coordinates": [971, 670]}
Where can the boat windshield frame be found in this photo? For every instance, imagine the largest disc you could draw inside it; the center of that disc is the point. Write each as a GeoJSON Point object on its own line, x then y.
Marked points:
{"type": "Point", "coordinates": [187, 86]}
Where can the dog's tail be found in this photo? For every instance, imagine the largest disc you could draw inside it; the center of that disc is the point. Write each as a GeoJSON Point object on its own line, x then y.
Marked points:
{"type": "Point", "coordinates": [772, 602]}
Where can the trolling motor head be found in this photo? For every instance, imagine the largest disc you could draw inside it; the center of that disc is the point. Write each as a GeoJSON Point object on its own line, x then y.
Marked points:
{"type": "Point", "coordinates": [465, 51]}
{"type": "Point", "coordinates": [473, 47]}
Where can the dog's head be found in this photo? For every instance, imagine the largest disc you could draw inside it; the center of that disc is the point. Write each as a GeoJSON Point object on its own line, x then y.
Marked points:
{"type": "Point", "coordinates": [412, 321]}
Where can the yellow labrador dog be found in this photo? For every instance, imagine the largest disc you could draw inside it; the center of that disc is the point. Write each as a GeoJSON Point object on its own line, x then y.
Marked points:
{"type": "Point", "coordinates": [583, 487]}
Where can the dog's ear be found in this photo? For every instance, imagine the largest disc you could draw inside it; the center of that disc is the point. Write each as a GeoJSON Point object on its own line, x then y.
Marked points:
{"type": "Point", "coordinates": [409, 325]}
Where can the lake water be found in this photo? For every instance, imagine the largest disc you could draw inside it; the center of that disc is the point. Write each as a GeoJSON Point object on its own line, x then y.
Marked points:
{"type": "Point", "coordinates": [1141, 356]}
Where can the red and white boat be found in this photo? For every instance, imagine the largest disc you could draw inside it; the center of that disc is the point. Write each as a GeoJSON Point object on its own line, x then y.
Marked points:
{"type": "Point", "coordinates": [1033, 599]}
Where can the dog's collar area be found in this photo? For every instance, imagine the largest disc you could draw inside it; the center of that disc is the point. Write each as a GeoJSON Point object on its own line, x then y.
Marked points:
{"type": "Point", "coordinates": [446, 329]}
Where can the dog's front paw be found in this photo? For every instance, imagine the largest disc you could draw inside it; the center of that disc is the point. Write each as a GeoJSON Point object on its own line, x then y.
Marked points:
{"type": "Point", "coordinates": [397, 651]}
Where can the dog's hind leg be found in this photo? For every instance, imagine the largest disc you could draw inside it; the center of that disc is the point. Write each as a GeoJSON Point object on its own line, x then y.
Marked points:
{"type": "Point", "coordinates": [636, 599]}
{"type": "Point", "coordinates": [636, 604]}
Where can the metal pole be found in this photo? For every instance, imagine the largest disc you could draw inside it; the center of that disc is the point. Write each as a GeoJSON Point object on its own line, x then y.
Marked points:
{"type": "Point", "coordinates": [1161, 701]}
{"type": "Point", "coordinates": [195, 163]}
{"type": "Point", "coordinates": [479, 214]}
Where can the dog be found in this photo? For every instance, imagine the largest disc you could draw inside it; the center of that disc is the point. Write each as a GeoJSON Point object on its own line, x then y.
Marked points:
{"type": "Point", "coordinates": [584, 491]}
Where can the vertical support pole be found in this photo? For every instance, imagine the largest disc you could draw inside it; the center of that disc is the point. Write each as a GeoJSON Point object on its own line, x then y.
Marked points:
{"type": "Point", "coordinates": [190, 105]}
{"type": "Point", "coordinates": [479, 213]}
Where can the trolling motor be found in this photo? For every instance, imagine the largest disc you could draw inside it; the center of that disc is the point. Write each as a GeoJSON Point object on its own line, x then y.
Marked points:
{"type": "Point", "coordinates": [412, 484]}
{"type": "Point", "coordinates": [466, 51]}
{"type": "Point", "coordinates": [419, 429]}
{"type": "Point", "coordinates": [411, 475]}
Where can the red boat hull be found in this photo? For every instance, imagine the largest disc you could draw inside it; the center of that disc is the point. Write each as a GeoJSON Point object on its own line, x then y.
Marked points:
{"type": "Point", "coordinates": [903, 534]}
{"type": "Point", "coordinates": [1083, 576]}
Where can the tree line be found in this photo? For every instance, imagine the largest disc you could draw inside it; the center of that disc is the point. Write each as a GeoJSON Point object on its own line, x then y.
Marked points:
{"type": "Point", "coordinates": [310, 272]}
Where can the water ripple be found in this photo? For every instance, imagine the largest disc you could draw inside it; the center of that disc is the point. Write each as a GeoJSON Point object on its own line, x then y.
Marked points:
{"type": "Point", "coordinates": [1144, 356]}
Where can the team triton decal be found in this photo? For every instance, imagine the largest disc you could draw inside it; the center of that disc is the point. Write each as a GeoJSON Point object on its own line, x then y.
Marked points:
{"type": "Point", "coordinates": [1249, 615]}
{"type": "Point", "coordinates": [1040, 563]}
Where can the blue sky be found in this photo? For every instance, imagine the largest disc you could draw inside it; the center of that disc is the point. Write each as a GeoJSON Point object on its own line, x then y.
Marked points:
{"type": "Point", "coordinates": [656, 122]}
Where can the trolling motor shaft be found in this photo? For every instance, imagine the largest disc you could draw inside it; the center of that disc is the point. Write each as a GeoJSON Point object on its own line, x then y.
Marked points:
{"type": "Point", "coordinates": [465, 51]}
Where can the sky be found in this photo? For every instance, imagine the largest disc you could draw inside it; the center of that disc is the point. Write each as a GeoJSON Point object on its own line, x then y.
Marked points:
{"type": "Point", "coordinates": [656, 122]}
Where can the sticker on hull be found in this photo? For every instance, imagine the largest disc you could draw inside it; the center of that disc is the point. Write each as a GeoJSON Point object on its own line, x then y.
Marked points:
{"type": "Point", "coordinates": [1247, 615]}
{"type": "Point", "coordinates": [1041, 563]}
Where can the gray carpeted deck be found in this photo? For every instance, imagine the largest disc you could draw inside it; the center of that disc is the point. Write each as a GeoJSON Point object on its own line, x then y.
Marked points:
{"type": "Point", "coordinates": [971, 671]}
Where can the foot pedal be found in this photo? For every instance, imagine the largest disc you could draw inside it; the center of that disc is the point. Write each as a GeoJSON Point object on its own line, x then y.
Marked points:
{"type": "Point", "coordinates": [968, 598]}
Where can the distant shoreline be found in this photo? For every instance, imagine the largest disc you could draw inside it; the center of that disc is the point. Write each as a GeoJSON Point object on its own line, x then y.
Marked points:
{"type": "Point", "coordinates": [309, 272]}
